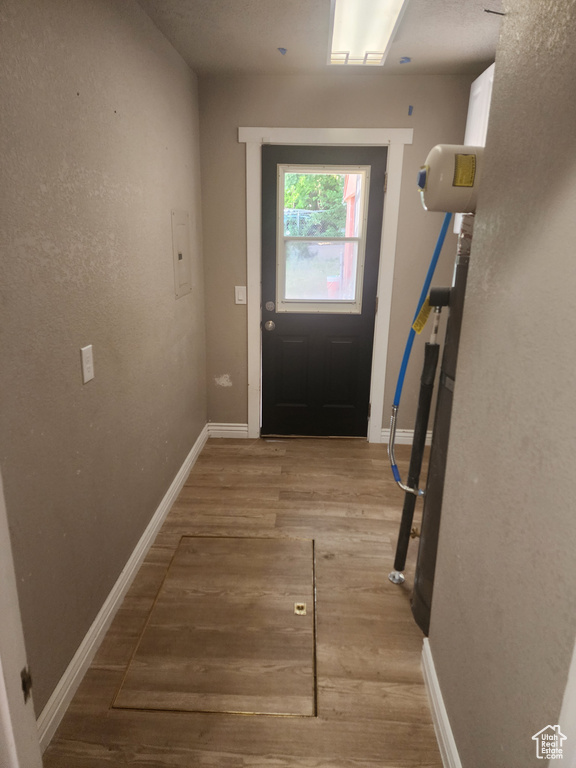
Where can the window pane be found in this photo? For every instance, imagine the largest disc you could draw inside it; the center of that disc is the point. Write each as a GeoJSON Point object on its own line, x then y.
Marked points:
{"type": "Point", "coordinates": [317, 271]}
{"type": "Point", "coordinates": [322, 204]}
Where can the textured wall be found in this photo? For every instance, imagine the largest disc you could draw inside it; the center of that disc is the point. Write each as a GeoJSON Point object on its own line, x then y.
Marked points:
{"type": "Point", "coordinates": [504, 610]}
{"type": "Point", "coordinates": [352, 101]}
{"type": "Point", "coordinates": [99, 141]}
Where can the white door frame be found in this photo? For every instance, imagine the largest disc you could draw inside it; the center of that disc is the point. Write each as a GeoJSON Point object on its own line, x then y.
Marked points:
{"type": "Point", "coordinates": [567, 719]}
{"type": "Point", "coordinates": [394, 139]}
{"type": "Point", "coordinates": [19, 743]}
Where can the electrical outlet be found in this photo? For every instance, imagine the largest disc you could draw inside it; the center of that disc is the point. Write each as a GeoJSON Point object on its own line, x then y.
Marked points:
{"type": "Point", "coordinates": [87, 363]}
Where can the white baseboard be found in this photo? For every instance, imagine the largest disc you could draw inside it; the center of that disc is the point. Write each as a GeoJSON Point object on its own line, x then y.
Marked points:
{"type": "Point", "coordinates": [404, 437]}
{"type": "Point", "coordinates": [444, 736]}
{"type": "Point", "coordinates": [58, 703]}
{"type": "Point", "coordinates": [227, 430]}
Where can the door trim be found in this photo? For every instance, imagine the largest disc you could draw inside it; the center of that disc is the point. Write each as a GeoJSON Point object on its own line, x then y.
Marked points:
{"type": "Point", "coordinates": [395, 139]}
{"type": "Point", "coordinates": [19, 742]}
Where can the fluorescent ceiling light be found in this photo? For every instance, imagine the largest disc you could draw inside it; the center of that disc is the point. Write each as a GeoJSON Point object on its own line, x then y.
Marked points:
{"type": "Point", "coordinates": [363, 30]}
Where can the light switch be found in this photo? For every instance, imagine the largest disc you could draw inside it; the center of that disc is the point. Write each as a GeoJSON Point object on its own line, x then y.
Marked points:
{"type": "Point", "coordinates": [87, 363]}
{"type": "Point", "coordinates": [240, 294]}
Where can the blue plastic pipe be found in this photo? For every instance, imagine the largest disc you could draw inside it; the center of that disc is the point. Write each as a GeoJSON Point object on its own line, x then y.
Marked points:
{"type": "Point", "coordinates": [408, 350]}
{"type": "Point", "coordinates": [423, 297]}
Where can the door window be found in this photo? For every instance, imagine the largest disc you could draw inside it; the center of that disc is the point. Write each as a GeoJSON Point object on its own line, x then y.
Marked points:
{"type": "Point", "coordinates": [321, 228]}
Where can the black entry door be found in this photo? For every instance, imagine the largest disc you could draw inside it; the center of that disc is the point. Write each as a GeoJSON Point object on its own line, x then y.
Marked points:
{"type": "Point", "coordinates": [317, 354]}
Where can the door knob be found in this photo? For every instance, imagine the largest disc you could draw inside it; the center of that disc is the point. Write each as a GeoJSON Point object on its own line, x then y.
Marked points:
{"type": "Point", "coordinates": [269, 325]}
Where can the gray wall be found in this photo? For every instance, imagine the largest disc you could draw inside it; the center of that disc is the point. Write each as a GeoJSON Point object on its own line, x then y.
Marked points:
{"type": "Point", "coordinates": [99, 141]}
{"type": "Point", "coordinates": [345, 100]}
{"type": "Point", "coordinates": [504, 611]}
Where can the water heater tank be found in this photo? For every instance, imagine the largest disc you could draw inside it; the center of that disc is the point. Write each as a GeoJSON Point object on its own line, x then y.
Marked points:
{"type": "Point", "coordinates": [449, 180]}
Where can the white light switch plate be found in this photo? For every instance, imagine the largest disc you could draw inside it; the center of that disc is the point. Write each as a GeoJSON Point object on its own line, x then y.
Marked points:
{"type": "Point", "coordinates": [240, 294]}
{"type": "Point", "coordinates": [87, 363]}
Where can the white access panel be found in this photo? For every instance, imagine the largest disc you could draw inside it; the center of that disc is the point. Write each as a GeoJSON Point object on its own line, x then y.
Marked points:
{"type": "Point", "coordinates": [181, 253]}
{"type": "Point", "coordinates": [479, 109]}
{"type": "Point", "coordinates": [477, 120]}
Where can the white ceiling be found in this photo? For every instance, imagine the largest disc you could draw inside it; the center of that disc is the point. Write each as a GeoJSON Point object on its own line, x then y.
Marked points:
{"type": "Point", "coordinates": [243, 36]}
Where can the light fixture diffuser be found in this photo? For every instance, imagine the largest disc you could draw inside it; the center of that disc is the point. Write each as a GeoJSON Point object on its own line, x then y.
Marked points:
{"type": "Point", "coordinates": [363, 30]}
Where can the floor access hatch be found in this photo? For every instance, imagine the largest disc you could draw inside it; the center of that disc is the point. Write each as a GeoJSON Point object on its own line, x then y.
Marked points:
{"type": "Point", "coordinates": [227, 632]}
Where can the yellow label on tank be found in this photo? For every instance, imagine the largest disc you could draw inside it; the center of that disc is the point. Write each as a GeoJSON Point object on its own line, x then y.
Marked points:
{"type": "Point", "coordinates": [464, 170]}
{"type": "Point", "coordinates": [423, 316]}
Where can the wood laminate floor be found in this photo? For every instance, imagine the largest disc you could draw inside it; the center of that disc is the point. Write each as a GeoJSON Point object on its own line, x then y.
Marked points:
{"type": "Point", "coordinates": [372, 709]}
